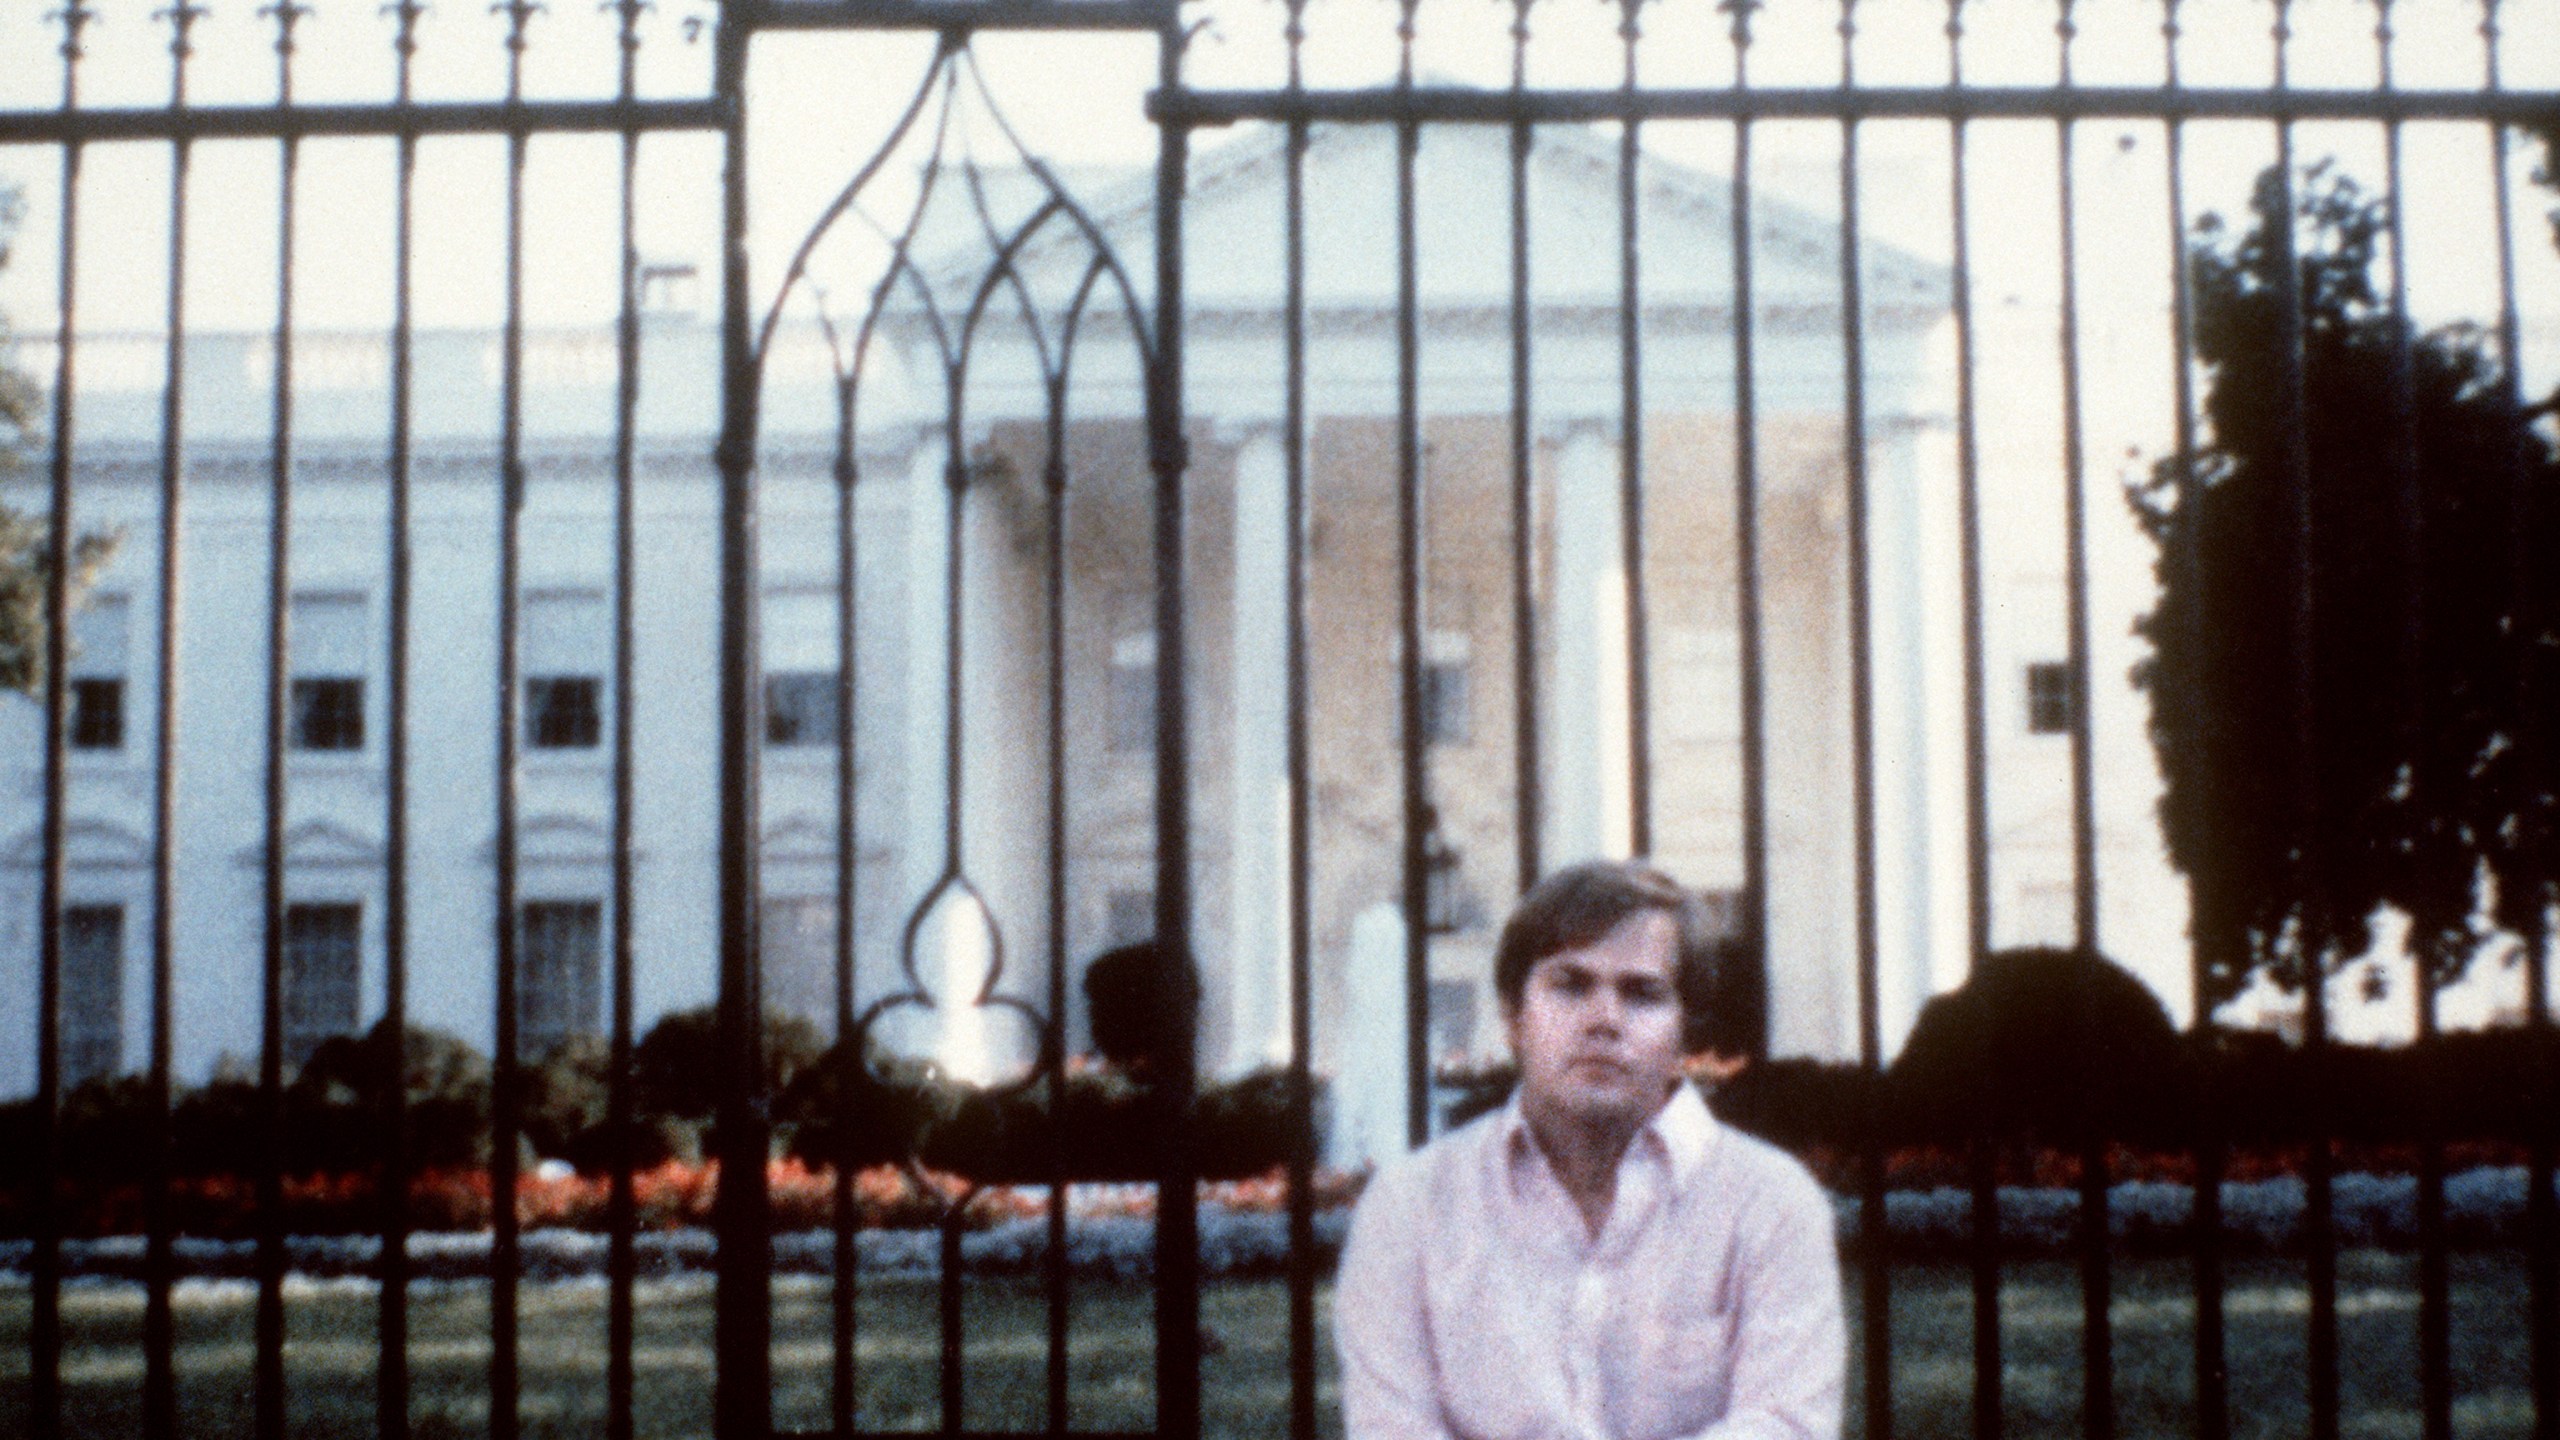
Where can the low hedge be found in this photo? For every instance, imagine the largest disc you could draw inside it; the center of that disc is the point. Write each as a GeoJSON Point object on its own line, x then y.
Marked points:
{"type": "Point", "coordinates": [829, 1109]}
{"type": "Point", "coordinates": [1244, 1229]}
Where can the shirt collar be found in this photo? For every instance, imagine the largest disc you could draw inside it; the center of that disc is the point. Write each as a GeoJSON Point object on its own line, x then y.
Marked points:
{"type": "Point", "coordinates": [1688, 1130]}
{"type": "Point", "coordinates": [1683, 1132]}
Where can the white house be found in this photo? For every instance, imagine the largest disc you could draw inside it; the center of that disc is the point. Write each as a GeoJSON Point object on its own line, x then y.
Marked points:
{"type": "Point", "coordinates": [1232, 604]}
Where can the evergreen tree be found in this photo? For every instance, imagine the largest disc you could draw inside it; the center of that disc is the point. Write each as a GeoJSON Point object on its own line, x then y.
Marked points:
{"type": "Point", "coordinates": [25, 544]}
{"type": "Point", "coordinates": [2419, 763]}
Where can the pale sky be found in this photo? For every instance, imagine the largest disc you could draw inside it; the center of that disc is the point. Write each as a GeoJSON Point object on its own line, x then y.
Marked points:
{"type": "Point", "coordinates": [819, 101]}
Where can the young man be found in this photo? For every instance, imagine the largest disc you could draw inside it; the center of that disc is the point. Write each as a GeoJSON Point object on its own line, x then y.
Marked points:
{"type": "Point", "coordinates": [1600, 1259]}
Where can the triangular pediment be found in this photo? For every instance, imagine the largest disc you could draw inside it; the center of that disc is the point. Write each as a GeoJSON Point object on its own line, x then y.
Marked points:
{"type": "Point", "coordinates": [562, 839]}
{"type": "Point", "coordinates": [87, 844]}
{"type": "Point", "coordinates": [1234, 230]}
{"type": "Point", "coordinates": [319, 844]}
{"type": "Point", "coordinates": [800, 837]}
{"type": "Point", "coordinates": [557, 838]}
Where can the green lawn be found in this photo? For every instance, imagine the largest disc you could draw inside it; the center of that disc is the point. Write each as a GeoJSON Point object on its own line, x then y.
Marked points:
{"type": "Point", "coordinates": [330, 1354]}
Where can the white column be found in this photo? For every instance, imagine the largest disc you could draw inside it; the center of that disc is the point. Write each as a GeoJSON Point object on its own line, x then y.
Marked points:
{"type": "Point", "coordinates": [1004, 625]}
{"type": "Point", "coordinates": [1586, 797]}
{"type": "Point", "coordinates": [928, 651]}
{"type": "Point", "coordinates": [1258, 911]}
{"type": "Point", "coordinates": [1918, 667]}
{"type": "Point", "coordinates": [1372, 1088]}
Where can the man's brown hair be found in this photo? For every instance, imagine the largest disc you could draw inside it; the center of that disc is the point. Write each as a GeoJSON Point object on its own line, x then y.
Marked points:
{"type": "Point", "coordinates": [1580, 904]}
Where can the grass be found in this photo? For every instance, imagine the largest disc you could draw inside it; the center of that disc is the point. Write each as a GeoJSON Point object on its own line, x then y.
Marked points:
{"type": "Point", "coordinates": [330, 1354]}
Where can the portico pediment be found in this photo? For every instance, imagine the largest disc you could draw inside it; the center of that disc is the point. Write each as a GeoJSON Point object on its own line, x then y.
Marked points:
{"type": "Point", "coordinates": [88, 844]}
{"type": "Point", "coordinates": [555, 838]}
{"type": "Point", "coordinates": [1235, 237]}
{"type": "Point", "coordinates": [1236, 277]}
{"type": "Point", "coordinates": [318, 844]}
{"type": "Point", "coordinates": [799, 837]}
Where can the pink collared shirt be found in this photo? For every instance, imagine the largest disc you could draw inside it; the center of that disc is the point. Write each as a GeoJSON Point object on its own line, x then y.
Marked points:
{"type": "Point", "coordinates": [1474, 1304]}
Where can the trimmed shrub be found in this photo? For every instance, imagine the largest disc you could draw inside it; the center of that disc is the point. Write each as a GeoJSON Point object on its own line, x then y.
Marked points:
{"type": "Point", "coordinates": [2484, 1084]}
{"type": "Point", "coordinates": [2052, 1045]}
{"type": "Point", "coordinates": [1799, 1104]}
{"type": "Point", "coordinates": [341, 1091]}
{"type": "Point", "coordinates": [840, 1111]}
{"type": "Point", "coordinates": [1106, 1127]}
{"type": "Point", "coordinates": [676, 1066]}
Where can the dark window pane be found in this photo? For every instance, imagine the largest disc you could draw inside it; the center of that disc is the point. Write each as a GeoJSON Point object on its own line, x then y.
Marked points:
{"type": "Point", "coordinates": [1133, 706]}
{"type": "Point", "coordinates": [2048, 698]}
{"type": "Point", "coordinates": [328, 714]}
{"type": "Point", "coordinates": [1131, 916]}
{"type": "Point", "coordinates": [323, 948]}
{"type": "Point", "coordinates": [800, 708]}
{"type": "Point", "coordinates": [563, 712]}
{"type": "Point", "coordinates": [97, 715]}
{"type": "Point", "coordinates": [1453, 1021]}
{"type": "Point", "coordinates": [798, 954]}
{"type": "Point", "coordinates": [92, 991]}
{"type": "Point", "coordinates": [557, 988]}
{"type": "Point", "coordinates": [1444, 702]}
{"type": "Point", "coordinates": [1449, 904]}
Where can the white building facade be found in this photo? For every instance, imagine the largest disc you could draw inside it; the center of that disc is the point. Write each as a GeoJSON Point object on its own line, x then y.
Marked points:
{"type": "Point", "coordinates": [338, 789]}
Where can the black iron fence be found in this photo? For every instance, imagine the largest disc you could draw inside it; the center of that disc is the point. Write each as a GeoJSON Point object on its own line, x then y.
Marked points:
{"type": "Point", "coordinates": [1751, 350]}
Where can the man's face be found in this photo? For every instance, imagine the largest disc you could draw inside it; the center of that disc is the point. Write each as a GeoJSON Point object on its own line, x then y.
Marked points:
{"type": "Point", "coordinates": [1597, 1029]}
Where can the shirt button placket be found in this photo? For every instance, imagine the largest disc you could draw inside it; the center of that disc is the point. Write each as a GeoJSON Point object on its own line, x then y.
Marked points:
{"type": "Point", "coordinates": [1590, 1313]}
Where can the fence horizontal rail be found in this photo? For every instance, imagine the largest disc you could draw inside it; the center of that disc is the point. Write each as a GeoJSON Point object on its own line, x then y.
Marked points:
{"type": "Point", "coordinates": [998, 1434]}
{"type": "Point", "coordinates": [1462, 105]}
{"type": "Point", "coordinates": [281, 122]}
{"type": "Point", "coordinates": [956, 16]}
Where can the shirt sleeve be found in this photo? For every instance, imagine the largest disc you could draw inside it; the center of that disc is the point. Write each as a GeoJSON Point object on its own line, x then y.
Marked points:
{"type": "Point", "coordinates": [1790, 1344]}
{"type": "Point", "coordinates": [1390, 1385]}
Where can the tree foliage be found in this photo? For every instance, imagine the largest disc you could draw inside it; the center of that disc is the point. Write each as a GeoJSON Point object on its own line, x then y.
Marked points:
{"type": "Point", "coordinates": [25, 545]}
{"type": "Point", "coordinates": [675, 1066]}
{"type": "Point", "coordinates": [17, 393]}
{"type": "Point", "coordinates": [2415, 757]}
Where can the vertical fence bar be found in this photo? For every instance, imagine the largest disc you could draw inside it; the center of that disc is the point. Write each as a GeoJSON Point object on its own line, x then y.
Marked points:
{"type": "Point", "coordinates": [1293, 443]}
{"type": "Point", "coordinates": [506, 1100]}
{"type": "Point", "coordinates": [1631, 447]}
{"type": "Point", "coordinates": [2212, 1366]}
{"type": "Point", "coordinates": [621, 1198]}
{"type": "Point", "coordinates": [2311, 888]}
{"type": "Point", "coordinates": [159, 1321]}
{"type": "Point", "coordinates": [268, 1415]}
{"type": "Point", "coordinates": [953, 1374]}
{"type": "Point", "coordinates": [1054, 473]}
{"type": "Point", "coordinates": [44, 1337]}
{"type": "Point", "coordinates": [1527, 784]}
{"type": "Point", "coordinates": [2319, 1211]}
{"type": "Point", "coordinates": [1412, 732]}
{"type": "Point", "coordinates": [2435, 1321]}
{"type": "Point", "coordinates": [392, 1267]}
{"type": "Point", "coordinates": [1875, 1279]}
{"type": "Point", "coordinates": [391, 1378]}
{"type": "Point", "coordinates": [1982, 1178]}
{"type": "Point", "coordinates": [955, 470]}
{"type": "Point", "coordinates": [1746, 533]}
{"type": "Point", "coordinates": [2542, 1214]}
{"type": "Point", "coordinates": [2097, 1334]}
{"type": "Point", "coordinates": [2435, 1371]}
{"type": "Point", "coordinates": [1177, 1196]}
{"type": "Point", "coordinates": [2084, 814]}
{"type": "Point", "coordinates": [742, 1391]}
{"type": "Point", "coordinates": [844, 1392]}
{"type": "Point", "coordinates": [1054, 1261]}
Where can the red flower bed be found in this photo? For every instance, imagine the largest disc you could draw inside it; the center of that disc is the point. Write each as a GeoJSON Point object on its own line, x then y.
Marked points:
{"type": "Point", "coordinates": [1933, 1167]}
{"type": "Point", "coordinates": [666, 1197]}
{"type": "Point", "coordinates": [803, 1197]}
